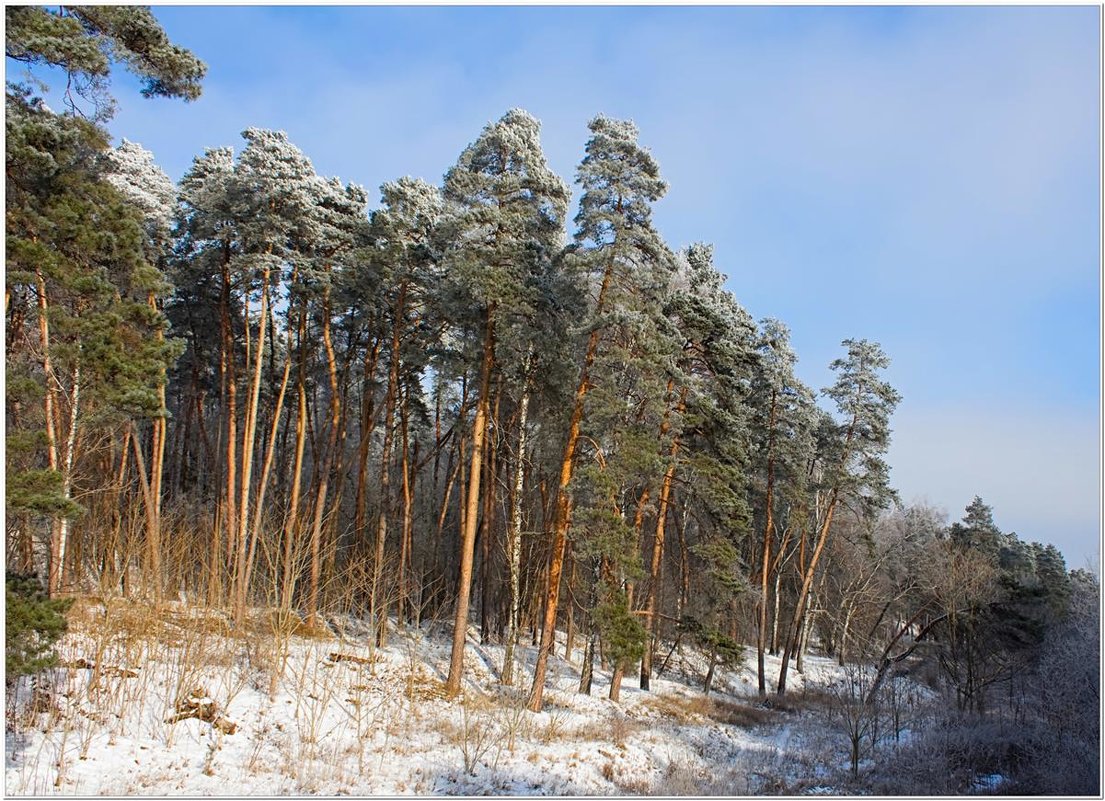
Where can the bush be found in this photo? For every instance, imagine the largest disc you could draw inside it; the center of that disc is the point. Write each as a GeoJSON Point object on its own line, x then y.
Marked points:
{"type": "Point", "coordinates": [33, 624]}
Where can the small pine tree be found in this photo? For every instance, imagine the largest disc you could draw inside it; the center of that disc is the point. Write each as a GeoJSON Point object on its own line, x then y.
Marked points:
{"type": "Point", "coordinates": [33, 623]}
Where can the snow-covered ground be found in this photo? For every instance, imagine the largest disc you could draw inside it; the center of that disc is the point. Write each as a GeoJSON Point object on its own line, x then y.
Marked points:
{"type": "Point", "coordinates": [334, 715]}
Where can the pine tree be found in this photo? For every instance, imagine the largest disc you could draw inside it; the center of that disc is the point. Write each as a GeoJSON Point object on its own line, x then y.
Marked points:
{"type": "Point", "coordinates": [77, 269]}
{"type": "Point", "coordinates": [504, 216]}
{"type": "Point", "coordinates": [77, 265]}
{"type": "Point", "coordinates": [251, 227]}
{"type": "Point", "coordinates": [32, 624]}
{"type": "Point", "coordinates": [83, 41]}
{"type": "Point", "coordinates": [403, 233]}
{"type": "Point", "coordinates": [781, 433]}
{"type": "Point", "coordinates": [622, 258]}
{"type": "Point", "coordinates": [146, 187]}
{"type": "Point", "coordinates": [714, 363]}
{"type": "Point", "coordinates": [850, 458]}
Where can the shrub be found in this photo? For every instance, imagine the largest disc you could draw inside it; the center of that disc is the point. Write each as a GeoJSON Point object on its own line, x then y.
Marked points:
{"type": "Point", "coordinates": [33, 624]}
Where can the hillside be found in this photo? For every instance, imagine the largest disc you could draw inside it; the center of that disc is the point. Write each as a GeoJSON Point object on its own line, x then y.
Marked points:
{"type": "Point", "coordinates": [332, 714]}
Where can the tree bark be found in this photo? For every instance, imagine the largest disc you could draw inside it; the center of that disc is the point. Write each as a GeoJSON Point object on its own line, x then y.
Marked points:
{"type": "Point", "coordinates": [157, 466]}
{"type": "Point", "coordinates": [249, 434]}
{"type": "Point", "coordinates": [331, 447]}
{"type": "Point", "coordinates": [53, 570]}
{"type": "Point", "coordinates": [405, 543]}
{"type": "Point", "coordinates": [765, 565]}
{"type": "Point", "coordinates": [472, 504]}
{"type": "Point", "coordinates": [266, 470]}
{"type": "Point", "coordinates": [562, 513]}
{"type": "Point", "coordinates": [377, 603]}
{"type": "Point", "coordinates": [62, 539]}
{"type": "Point", "coordinates": [514, 537]}
{"type": "Point", "coordinates": [368, 425]}
{"type": "Point", "coordinates": [227, 367]}
{"type": "Point", "coordinates": [652, 619]}
{"type": "Point", "coordinates": [487, 524]}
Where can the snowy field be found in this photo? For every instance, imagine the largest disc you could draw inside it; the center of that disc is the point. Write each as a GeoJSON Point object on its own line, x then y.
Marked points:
{"type": "Point", "coordinates": [294, 715]}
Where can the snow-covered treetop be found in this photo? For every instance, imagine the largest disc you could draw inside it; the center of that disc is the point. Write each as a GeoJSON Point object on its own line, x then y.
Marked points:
{"type": "Point", "coordinates": [620, 180]}
{"type": "Point", "coordinates": [130, 168]}
{"type": "Point", "coordinates": [505, 211]}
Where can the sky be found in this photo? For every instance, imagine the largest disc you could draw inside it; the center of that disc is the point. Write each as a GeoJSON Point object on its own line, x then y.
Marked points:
{"type": "Point", "coordinates": [924, 177]}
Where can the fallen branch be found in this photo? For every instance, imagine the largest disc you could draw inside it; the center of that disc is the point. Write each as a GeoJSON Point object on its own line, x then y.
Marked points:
{"type": "Point", "coordinates": [200, 706]}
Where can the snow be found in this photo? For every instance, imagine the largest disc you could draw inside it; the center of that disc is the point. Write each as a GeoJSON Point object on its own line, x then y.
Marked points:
{"type": "Point", "coordinates": [987, 784]}
{"type": "Point", "coordinates": [311, 720]}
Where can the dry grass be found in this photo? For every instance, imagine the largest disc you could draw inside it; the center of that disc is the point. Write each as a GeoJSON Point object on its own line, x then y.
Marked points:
{"type": "Point", "coordinates": [805, 700]}
{"type": "Point", "coordinates": [681, 709]}
{"type": "Point", "coordinates": [735, 713]}
{"type": "Point", "coordinates": [686, 710]}
{"type": "Point", "coordinates": [615, 729]}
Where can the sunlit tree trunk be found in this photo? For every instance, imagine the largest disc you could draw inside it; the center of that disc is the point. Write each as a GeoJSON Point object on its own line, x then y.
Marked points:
{"type": "Point", "coordinates": [562, 513]}
{"type": "Point", "coordinates": [472, 505]}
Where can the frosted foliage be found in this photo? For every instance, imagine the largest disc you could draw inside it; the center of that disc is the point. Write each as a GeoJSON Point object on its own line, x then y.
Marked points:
{"type": "Point", "coordinates": [131, 170]}
{"type": "Point", "coordinates": [713, 309]}
{"type": "Point", "coordinates": [865, 403]}
{"type": "Point", "coordinates": [620, 180]}
{"type": "Point", "coordinates": [272, 189]}
{"type": "Point", "coordinates": [412, 204]}
{"type": "Point", "coordinates": [270, 209]}
{"type": "Point", "coordinates": [787, 431]}
{"type": "Point", "coordinates": [203, 192]}
{"type": "Point", "coordinates": [505, 210]}
{"type": "Point", "coordinates": [502, 184]}
{"type": "Point", "coordinates": [335, 214]}
{"type": "Point", "coordinates": [777, 358]}
{"type": "Point", "coordinates": [860, 392]}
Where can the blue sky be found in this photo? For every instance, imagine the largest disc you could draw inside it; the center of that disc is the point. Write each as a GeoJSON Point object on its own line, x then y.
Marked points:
{"type": "Point", "coordinates": [924, 177]}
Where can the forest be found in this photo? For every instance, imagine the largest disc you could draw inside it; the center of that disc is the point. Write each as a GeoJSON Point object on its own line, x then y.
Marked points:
{"type": "Point", "coordinates": [448, 407]}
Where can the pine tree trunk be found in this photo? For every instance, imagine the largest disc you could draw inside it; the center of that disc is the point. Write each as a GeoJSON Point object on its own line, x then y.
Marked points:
{"type": "Point", "coordinates": [765, 565]}
{"type": "Point", "coordinates": [327, 462]}
{"type": "Point", "coordinates": [377, 602]}
{"type": "Point", "coordinates": [249, 434]}
{"type": "Point", "coordinates": [472, 505]}
{"type": "Point", "coordinates": [157, 465]}
{"type": "Point", "coordinates": [230, 515]}
{"type": "Point", "coordinates": [804, 632]}
{"type": "Point", "coordinates": [651, 619]}
{"type": "Point", "coordinates": [113, 562]}
{"type": "Point", "coordinates": [454, 470]}
{"type": "Point", "coordinates": [684, 564]}
{"type": "Point", "coordinates": [487, 524]}
{"type": "Point", "coordinates": [62, 541]}
{"type": "Point", "coordinates": [368, 425]}
{"type": "Point", "coordinates": [266, 470]}
{"type": "Point", "coordinates": [143, 483]}
{"type": "Point", "coordinates": [616, 681]}
{"type": "Point", "coordinates": [775, 617]}
{"type": "Point", "coordinates": [562, 513]}
{"type": "Point", "coordinates": [291, 522]}
{"type": "Point", "coordinates": [709, 683]}
{"type": "Point", "coordinates": [804, 592]}
{"type": "Point", "coordinates": [587, 674]}
{"type": "Point", "coordinates": [570, 633]}
{"type": "Point", "coordinates": [654, 572]}
{"type": "Point", "coordinates": [405, 531]}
